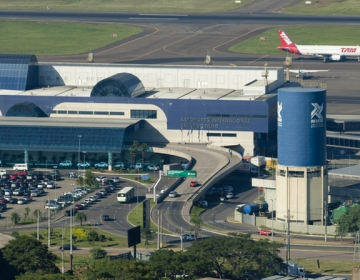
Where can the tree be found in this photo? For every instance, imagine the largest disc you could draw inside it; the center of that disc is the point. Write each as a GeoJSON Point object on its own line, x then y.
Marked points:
{"type": "Point", "coordinates": [147, 234]}
{"type": "Point", "coordinates": [168, 263]}
{"type": "Point", "coordinates": [196, 227]}
{"type": "Point", "coordinates": [80, 217]}
{"type": "Point", "coordinates": [35, 214]}
{"type": "Point", "coordinates": [26, 212]}
{"type": "Point", "coordinates": [28, 255]}
{"type": "Point", "coordinates": [93, 235]}
{"type": "Point", "coordinates": [80, 181]}
{"type": "Point", "coordinates": [133, 151]}
{"type": "Point", "coordinates": [89, 178]}
{"type": "Point", "coordinates": [233, 257]}
{"type": "Point", "coordinates": [143, 147]}
{"type": "Point", "coordinates": [349, 222]}
{"type": "Point", "coordinates": [15, 218]}
{"type": "Point", "coordinates": [98, 253]}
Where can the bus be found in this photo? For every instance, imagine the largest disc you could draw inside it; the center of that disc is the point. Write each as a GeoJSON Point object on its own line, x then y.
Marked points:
{"type": "Point", "coordinates": [126, 194]}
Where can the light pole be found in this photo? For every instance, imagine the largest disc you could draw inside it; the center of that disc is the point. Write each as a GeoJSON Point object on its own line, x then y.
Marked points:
{"type": "Point", "coordinates": [84, 161]}
{"type": "Point", "coordinates": [55, 174]}
{"type": "Point", "coordinates": [79, 136]}
{"type": "Point", "coordinates": [272, 219]}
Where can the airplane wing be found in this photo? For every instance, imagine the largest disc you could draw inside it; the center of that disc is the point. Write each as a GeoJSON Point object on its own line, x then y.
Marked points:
{"type": "Point", "coordinates": [307, 71]}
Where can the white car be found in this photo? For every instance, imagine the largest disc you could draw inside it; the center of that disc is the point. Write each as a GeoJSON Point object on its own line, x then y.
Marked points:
{"type": "Point", "coordinates": [102, 164]}
{"type": "Point", "coordinates": [115, 179]}
{"type": "Point", "coordinates": [138, 165]}
{"type": "Point", "coordinates": [83, 164]}
{"type": "Point", "coordinates": [65, 163]}
{"type": "Point", "coordinates": [22, 201]}
{"type": "Point", "coordinates": [153, 167]}
{"type": "Point", "coordinates": [93, 198]}
{"type": "Point", "coordinates": [118, 165]}
{"type": "Point", "coordinates": [2, 172]}
{"type": "Point", "coordinates": [50, 185]}
{"type": "Point", "coordinates": [229, 195]}
{"type": "Point", "coordinates": [100, 178]}
{"type": "Point", "coordinates": [172, 194]}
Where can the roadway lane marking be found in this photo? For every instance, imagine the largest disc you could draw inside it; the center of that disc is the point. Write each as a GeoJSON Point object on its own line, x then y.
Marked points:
{"type": "Point", "coordinates": [135, 18]}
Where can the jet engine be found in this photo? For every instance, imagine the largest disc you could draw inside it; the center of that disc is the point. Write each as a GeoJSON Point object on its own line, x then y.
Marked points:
{"type": "Point", "coordinates": [336, 57]}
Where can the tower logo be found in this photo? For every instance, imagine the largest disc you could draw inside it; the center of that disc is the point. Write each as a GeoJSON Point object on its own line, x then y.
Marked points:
{"type": "Point", "coordinates": [279, 117]}
{"type": "Point", "coordinates": [317, 119]}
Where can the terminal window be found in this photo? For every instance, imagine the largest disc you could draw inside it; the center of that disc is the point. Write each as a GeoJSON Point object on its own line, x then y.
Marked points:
{"type": "Point", "coordinates": [143, 114]}
{"type": "Point", "coordinates": [117, 113]}
{"type": "Point", "coordinates": [86, 112]}
{"type": "Point", "coordinates": [229, 134]}
{"type": "Point", "coordinates": [213, 134]}
{"type": "Point", "coordinates": [100, 113]}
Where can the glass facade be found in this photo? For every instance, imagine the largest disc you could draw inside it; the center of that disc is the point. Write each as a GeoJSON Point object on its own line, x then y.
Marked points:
{"type": "Point", "coordinates": [143, 114]}
{"type": "Point", "coordinates": [25, 109]}
{"type": "Point", "coordinates": [119, 85]}
{"type": "Point", "coordinates": [18, 72]}
{"type": "Point", "coordinates": [55, 138]}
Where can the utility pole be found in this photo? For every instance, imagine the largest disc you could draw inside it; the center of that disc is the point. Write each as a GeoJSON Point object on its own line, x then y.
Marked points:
{"type": "Point", "coordinates": [325, 218]}
{"type": "Point", "coordinates": [181, 238]}
{"type": "Point", "coordinates": [158, 237]}
{"type": "Point", "coordinates": [38, 233]}
{"type": "Point", "coordinates": [62, 251]}
{"type": "Point", "coordinates": [49, 230]}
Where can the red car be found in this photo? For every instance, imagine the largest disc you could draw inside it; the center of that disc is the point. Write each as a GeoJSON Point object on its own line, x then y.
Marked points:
{"type": "Point", "coordinates": [79, 207]}
{"type": "Point", "coordinates": [264, 232]}
{"type": "Point", "coordinates": [193, 183]}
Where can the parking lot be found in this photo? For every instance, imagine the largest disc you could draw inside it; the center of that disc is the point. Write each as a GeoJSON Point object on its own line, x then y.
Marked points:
{"type": "Point", "coordinates": [62, 193]}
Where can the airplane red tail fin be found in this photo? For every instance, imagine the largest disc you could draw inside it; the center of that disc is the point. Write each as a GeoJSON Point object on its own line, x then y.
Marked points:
{"type": "Point", "coordinates": [285, 40]}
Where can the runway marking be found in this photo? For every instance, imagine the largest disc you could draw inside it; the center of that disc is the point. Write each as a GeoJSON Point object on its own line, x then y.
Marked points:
{"type": "Point", "coordinates": [165, 15]}
{"type": "Point", "coordinates": [154, 18]}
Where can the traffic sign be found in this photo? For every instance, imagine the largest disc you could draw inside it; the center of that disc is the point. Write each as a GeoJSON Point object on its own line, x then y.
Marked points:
{"type": "Point", "coordinates": [181, 173]}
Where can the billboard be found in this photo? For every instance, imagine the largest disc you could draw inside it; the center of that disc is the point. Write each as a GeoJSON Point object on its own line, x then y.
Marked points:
{"type": "Point", "coordinates": [133, 235]}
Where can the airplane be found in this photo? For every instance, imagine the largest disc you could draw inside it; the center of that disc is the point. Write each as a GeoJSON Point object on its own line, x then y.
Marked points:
{"type": "Point", "coordinates": [331, 53]}
{"type": "Point", "coordinates": [300, 73]}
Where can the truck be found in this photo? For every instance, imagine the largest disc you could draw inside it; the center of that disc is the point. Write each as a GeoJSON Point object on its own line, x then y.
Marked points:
{"type": "Point", "coordinates": [171, 166]}
{"type": "Point", "coordinates": [248, 168]}
{"type": "Point", "coordinates": [258, 161]}
{"type": "Point", "coordinates": [293, 269]}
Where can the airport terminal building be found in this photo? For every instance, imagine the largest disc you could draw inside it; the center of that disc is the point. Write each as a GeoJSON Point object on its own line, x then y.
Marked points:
{"type": "Point", "coordinates": [52, 112]}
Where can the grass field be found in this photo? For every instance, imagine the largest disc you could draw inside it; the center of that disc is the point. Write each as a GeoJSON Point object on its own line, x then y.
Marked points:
{"type": "Point", "coordinates": [50, 38]}
{"type": "Point", "coordinates": [344, 35]}
{"type": "Point", "coordinates": [326, 7]}
{"type": "Point", "coordinates": [136, 6]}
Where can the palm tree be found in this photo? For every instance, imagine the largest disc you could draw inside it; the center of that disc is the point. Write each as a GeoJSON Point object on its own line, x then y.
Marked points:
{"type": "Point", "coordinates": [15, 218]}
{"type": "Point", "coordinates": [89, 178]}
{"type": "Point", "coordinates": [26, 212]}
{"type": "Point", "coordinates": [80, 217]}
{"type": "Point", "coordinates": [80, 181]}
{"type": "Point", "coordinates": [143, 147]}
{"type": "Point", "coordinates": [196, 227]}
{"type": "Point", "coordinates": [37, 212]}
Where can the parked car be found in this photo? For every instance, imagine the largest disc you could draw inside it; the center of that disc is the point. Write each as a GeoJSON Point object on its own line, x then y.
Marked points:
{"type": "Point", "coordinates": [67, 247]}
{"type": "Point", "coordinates": [84, 164]}
{"type": "Point", "coordinates": [93, 198]}
{"type": "Point", "coordinates": [172, 194]}
{"type": "Point", "coordinates": [119, 165]}
{"type": "Point", "coordinates": [229, 195]}
{"type": "Point", "coordinates": [70, 212]}
{"type": "Point", "coordinates": [138, 165]}
{"type": "Point", "coordinates": [13, 200]}
{"type": "Point", "coordinates": [3, 172]}
{"type": "Point", "coordinates": [21, 201]}
{"type": "Point", "coordinates": [78, 207]}
{"type": "Point", "coordinates": [193, 183]}
{"type": "Point", "coordinates": [264, 232]}
{"type": "Point", "coordinates": [65, 163]}
{"type": "Point", "coordinates": [153, 167]}
{"type": "Point", "coordinates": [101, 165]}
{"type": "Point", "coordinates": [100, 178]}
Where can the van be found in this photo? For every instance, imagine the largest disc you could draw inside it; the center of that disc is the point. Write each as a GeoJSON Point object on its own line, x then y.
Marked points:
{"type": "Point", "coordinates": [20, 166]}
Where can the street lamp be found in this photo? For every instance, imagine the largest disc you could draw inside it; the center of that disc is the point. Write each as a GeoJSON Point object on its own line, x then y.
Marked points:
{"type": "Point", "coordinates": [55, 174]}
{"type": "Point", "coordinates": [79, 136]}
{"type": "Point", "coordinates": [272, 219]}
{"type": "Point", "coordinates": [84, 161]}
